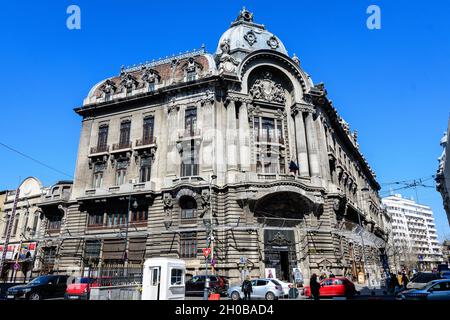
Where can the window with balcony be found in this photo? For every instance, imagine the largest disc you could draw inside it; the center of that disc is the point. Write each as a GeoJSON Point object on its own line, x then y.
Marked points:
{"type": "Point", "coordinates": [188, 245]}
{"type": "Point", "coordinates": [145, 170]}
{"type": "Point", "coordinates": [124, 139]}
{"type": "Point", "coordinates": [102, 141]}
{"type": "Point", "coordinates": [148, 130]}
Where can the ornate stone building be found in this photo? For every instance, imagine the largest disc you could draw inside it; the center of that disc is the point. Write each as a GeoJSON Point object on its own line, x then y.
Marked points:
{"type": "Point", "coordinates": [153, 137]}
{"type": "Point", "coordinates": [443, 172]}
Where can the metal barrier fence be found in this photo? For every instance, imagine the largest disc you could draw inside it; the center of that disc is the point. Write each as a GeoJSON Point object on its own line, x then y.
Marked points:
{"type": "Point", "coordinates": [115, 275]}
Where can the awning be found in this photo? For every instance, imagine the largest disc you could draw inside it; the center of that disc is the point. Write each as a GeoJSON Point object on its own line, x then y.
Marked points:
{"type": "Point", "coordinates": [113, 249]}
{"type": "Point", "coordinates": [136, 249]}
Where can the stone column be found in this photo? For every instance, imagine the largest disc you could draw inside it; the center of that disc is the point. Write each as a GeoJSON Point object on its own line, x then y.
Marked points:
{"type": "Point", "coordinates": [311, 138]}
{"type": "Point", "coordinates": [244, 138]}
{"type": "Point", "coordinates": [231, 147]}
{"type": "Point", "coordinates": [301, 145]}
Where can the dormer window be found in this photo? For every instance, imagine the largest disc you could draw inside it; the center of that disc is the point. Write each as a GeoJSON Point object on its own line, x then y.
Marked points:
{"type": "Point", "coordinates": [151, 77]}
{"type": "Point", "coordinates": [108, 89]}
{"type": "Point", "coordinates": [191, 69]}
{"type": "Point", "coordinates": [191, 75]}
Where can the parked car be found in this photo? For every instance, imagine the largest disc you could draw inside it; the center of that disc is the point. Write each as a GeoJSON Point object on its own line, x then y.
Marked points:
{"type": "Point", "coordinates": [421, 279]}
{"type": "Point", "coordinates": [433, 290]}
{"type": "Point", "coordinates": [80, 289]}
{"type": "Point", "coordinates": [445, 274]}
{"type": "Point", "coordinates": [286, 287]}
{"type": "Point", "coordinates": [334, 287]}
{"type": "Point", "coordinates": [196, 285]}
{"type": "Point", "coordinates": [42, 287]}
{"type": "Point", "coordinates": [269, 289]}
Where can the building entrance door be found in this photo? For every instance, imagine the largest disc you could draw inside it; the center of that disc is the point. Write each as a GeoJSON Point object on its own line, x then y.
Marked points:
{"type": "Point", "coordinates": [279, 250]}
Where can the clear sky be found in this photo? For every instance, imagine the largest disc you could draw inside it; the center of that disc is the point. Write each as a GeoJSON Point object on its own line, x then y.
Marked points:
{"type": "Point", "coordinates": [392, 85]}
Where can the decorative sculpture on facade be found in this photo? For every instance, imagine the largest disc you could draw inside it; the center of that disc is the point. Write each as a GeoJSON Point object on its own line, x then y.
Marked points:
{"type": "Point", "coordinates": [268, 90]}
{"type": "Point", "coordinates": [226, 62]}
{"type": "Point", "coordinates": [250, 37]}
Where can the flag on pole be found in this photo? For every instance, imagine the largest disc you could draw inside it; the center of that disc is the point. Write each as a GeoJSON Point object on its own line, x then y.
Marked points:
{"type": "Point", "coordinates": [293, 167]}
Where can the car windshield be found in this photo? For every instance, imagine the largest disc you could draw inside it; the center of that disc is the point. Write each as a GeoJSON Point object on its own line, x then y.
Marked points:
{"type": "Point", "coordinates": [41, 280]}
{"type": "Point", "coordinates": [428, 285]}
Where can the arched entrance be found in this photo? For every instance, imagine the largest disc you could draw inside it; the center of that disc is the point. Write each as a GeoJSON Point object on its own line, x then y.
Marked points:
{"type": "Point", "coordinates": [281, 213]}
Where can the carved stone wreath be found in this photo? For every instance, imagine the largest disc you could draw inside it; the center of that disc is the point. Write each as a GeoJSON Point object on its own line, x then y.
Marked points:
{"type": "Point", "coordinates": [273, 42]}
{"type": "Point", "coordinates": [250, 37]}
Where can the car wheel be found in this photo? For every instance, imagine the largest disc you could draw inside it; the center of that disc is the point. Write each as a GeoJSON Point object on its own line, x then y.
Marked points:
{"type": "Point", "coordinates": [235, 296]}
{"type": "Point", "coordinates": [270, 296]}
{"type": "Point", "coordinates": [35, 296]}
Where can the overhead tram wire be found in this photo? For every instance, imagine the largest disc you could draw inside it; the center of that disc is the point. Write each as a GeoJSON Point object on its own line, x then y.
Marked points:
{"type": "Point", "coordinates": [35, 160]}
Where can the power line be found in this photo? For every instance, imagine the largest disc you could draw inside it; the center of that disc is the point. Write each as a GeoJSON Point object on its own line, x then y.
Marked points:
{"type": "Point", "coordinates": [35, 160]}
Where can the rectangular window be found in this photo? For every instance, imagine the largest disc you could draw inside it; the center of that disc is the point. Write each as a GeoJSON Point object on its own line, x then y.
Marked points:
{"type": "Point", "coordinates": [95, 219]}
{"type": "Point", "coordinates": [117, 217]}
{"type": "Point", "coordinates": [15, 225]}
{"type": "Point", "coordinates": [54, 222]}
{"type": "Point", "coordinates": [190, 121]}
{"type": "Point", "coordinates": [124, 139]}
{"type": "Point", "coordinates": [145, 171]}
{"type": "Point", "coordinates": [139, 215]}
{"type": "Point", "coordinates": [189, 162]}
{"type": "Point", "coordinates": [268, 130]}
{"type": "Point", "coordinates": [151, 86]}
{"type": "Point", "coordinates": [35, 223]}
{"type": "Point", "coordinates": [280, 132]}
{"type": "Point", "coordinates": [176, 277]}
{"type": "Point", "coordinates": [148, 130]}
{"type": "Point", "coordinates": [120, 177]}
{"type": "Point", "coordinates": [188, 245]}
{"type": "Point", "coordinates": [98, 175]}
{"type": "Point", "coordinates": [102, 138]}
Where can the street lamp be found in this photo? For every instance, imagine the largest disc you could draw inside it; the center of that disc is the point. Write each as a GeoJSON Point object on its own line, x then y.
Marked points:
{"type": "Point", "coordinates": [135, 205]}
{"type": "Point", "coordinates": [209, 238]}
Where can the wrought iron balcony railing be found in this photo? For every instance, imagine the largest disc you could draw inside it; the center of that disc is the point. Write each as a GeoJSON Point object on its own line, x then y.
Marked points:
{"type": "Point", "coordinates": [145, 141]}
{"type": "Point", "coordinates": [100, 149]}
{"type": "Point", "coordinates": [122, 145]}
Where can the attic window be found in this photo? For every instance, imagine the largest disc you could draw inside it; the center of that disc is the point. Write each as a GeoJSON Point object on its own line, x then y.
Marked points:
{"type": "Point", "coordinates": [191, 75]}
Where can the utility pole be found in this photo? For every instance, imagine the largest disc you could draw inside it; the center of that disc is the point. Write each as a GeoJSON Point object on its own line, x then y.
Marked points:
{"type": "Point", "coordinates": [8, 231]}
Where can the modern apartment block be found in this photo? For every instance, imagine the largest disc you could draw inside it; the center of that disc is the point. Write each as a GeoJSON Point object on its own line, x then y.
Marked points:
{"type": "Point", "coordinates": [414, 236]}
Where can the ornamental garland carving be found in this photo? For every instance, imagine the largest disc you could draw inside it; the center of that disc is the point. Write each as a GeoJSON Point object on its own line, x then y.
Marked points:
{"type": "Point", "coordinates": [267, 90]}
{"type": "Point", "coordinates": [250, 37]}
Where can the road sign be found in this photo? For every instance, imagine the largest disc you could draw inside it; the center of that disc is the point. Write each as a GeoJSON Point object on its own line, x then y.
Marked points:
{"type": "Point", "coordinates": [206, 252]}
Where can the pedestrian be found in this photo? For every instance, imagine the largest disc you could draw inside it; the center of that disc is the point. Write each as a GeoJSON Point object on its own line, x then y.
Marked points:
{"type": "Point", "coordinates": [247, 288]}
{"type": "Point", "coordinates": [405, 280]}
{"type": "Point", "coordinates": [332, 275]}
{"type": "Point", "coordinates": [314, 287]}
{"type": "Point", "coordinates": [399, 278]}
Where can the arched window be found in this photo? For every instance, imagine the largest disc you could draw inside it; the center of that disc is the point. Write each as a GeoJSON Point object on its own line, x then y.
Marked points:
{"type": "Point", "coordinates": [188, 207]}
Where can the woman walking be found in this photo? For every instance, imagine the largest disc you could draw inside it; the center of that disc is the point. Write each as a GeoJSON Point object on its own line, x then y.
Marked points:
{"type": "Point", "coordinates": [247, 288]}
{"type": "Point", "coordinates": [315, 287]}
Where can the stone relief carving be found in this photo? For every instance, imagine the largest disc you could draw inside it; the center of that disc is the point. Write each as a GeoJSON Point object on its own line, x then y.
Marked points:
{"type": "Point", "coordinates": [268, 90]}
{"type": "Point", "coordinates": [168, 206]}
{"type": "Point", "coordinates": [226, 62]}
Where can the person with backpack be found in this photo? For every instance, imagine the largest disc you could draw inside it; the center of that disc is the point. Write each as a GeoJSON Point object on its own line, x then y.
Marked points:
{"type": "Point", "coordinates": [247, 288]}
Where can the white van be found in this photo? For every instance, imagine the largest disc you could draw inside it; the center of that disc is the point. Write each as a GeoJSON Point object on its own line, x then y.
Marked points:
{"type": "Point", "coordinates": [163, 279]}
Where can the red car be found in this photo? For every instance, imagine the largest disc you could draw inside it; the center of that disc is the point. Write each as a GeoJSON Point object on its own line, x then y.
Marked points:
{"type": "Point", "coordinates": [334, 287]}
{"type": "Point", "coordinates": [80, 289]}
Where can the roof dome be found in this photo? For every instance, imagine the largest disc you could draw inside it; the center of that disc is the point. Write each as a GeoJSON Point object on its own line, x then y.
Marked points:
{"type": "Point", "coordinates": [245, 35]}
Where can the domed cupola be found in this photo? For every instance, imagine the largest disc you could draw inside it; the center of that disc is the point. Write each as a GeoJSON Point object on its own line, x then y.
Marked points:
{"type": "Point", "coordinates": [245, 36]}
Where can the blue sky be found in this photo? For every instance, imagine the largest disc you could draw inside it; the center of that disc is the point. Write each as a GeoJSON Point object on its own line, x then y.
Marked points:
{"type": "Point", "coordinates": [392, 85]}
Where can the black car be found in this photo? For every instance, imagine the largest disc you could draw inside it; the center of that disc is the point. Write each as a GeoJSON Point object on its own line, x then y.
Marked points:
{"type": "Point", "coordinates": [47, 286]}
{"type": "Point", "coordinates": [196, 285]}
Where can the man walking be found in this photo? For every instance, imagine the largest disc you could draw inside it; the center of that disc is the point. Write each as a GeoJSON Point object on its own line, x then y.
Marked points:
{"type": "Point", "coordinates": [247, 288]}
